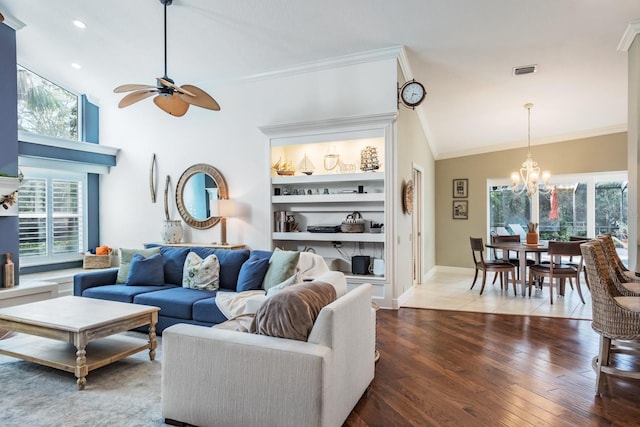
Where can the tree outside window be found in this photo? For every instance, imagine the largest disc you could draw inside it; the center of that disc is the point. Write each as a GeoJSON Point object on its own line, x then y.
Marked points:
{"type": "Point", "coordinates": [45, 108]}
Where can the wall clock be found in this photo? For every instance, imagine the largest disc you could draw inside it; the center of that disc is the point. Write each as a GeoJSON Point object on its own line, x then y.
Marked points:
{"type": "Point", "coordinates": [411, 94]}
{"type": "Point", "coordinates": [407, 197]}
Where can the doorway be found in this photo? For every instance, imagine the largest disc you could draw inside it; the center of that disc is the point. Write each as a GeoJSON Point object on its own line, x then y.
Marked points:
{"type": "Point", "coordinates": [417, 225]}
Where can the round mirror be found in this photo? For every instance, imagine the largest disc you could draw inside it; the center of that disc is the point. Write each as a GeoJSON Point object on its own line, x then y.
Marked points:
{"type": "Point", "coordinates": [197, 187]}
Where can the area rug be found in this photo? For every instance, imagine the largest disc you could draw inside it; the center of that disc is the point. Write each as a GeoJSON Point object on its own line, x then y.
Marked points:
{"type": "Point", "coordinates": [125, 393]}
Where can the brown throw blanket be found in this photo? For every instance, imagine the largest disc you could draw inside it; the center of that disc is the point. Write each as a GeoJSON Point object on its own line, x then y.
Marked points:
{"type": "Point", "coordinates": [292, 312]}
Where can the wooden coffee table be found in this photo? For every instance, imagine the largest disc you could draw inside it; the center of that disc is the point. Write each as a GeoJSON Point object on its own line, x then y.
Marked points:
{"type": "Point", "coordinates": [77, 334]}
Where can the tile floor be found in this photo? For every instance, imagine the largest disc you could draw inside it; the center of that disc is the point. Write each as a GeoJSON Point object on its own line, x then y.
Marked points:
{"type": "Point", "coordinates": [451, 291]}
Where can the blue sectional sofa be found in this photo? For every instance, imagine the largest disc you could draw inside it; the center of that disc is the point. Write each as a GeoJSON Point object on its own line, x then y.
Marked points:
{"type": "Point", "coordinates": [177, 304]}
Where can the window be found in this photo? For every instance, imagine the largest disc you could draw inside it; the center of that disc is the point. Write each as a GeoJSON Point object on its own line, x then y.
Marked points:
{"type": "Point", "coordinates": [585, 205]}
{"type": "Point", "coordinates": [45, 108]}
{"type": "Point", "coordinates": [52, 216]}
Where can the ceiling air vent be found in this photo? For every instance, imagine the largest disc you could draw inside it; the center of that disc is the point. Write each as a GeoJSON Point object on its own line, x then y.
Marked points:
{"type": "Point", "coordinates": [527, 69]}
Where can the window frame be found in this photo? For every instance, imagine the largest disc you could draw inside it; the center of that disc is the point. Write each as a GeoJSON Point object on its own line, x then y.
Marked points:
{"type": "Point", "coordinates": [50, 175]}
{"type": "Point", "coordinates": [566, 179]}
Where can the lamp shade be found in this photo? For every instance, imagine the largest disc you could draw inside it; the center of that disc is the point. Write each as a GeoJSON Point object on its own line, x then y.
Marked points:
{"type": "Point", "coordinates": [223, 208]}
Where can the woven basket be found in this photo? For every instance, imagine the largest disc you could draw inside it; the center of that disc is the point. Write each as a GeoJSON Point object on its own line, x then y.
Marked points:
{"type": "Point", "coordinates": [353, 223]}
{"type": "Point", "coordinates": [91, 261]}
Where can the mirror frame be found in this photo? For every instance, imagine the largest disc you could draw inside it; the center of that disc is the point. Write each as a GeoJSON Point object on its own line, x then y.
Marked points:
{"type": "Point", "coordinates": [222, 194]}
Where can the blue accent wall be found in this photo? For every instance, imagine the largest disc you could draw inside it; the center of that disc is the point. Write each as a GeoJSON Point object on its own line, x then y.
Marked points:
{"type": "Point", "coordinates": [9, 241]}
{"type": "Point", "coordinates": [90, 121]}
{"type": "Point", "coordinates": [93, 213]}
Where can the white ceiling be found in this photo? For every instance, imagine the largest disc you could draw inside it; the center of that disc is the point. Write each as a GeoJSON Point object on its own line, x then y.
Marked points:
{"type": "Point", "coordinates": [463, 51]}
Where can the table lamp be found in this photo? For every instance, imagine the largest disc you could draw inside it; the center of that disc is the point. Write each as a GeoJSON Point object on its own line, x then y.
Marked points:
{"type": "Point", "coordinates": [223, 208]}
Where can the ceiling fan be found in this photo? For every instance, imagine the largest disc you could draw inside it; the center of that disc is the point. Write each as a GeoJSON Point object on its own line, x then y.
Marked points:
{"type": "Point", "coordinates": [170, 98]}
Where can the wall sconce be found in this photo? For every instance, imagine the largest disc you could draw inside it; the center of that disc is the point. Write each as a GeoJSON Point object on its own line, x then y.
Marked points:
{"type": "Point", "coordinates": [223, 208]}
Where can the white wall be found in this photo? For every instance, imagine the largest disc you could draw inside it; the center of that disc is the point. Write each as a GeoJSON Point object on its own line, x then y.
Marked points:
{"type": "Point", "coordinates": [228, 140]}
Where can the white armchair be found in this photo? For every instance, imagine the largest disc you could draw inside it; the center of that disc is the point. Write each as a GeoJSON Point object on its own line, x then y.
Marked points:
{"type": "Point", "coordinates": [217, 377]}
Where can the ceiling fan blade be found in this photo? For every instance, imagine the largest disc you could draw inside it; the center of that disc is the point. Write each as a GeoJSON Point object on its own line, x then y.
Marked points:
{"type": "Point", "coordinates": [134, 97]}
{"type": "Point", "coordinates": [130, 87]}
{"type": "Point", "coordinates": [167, 83]}
{"type": "Point", "coordinates": [199, 99]}
{"type": "Point", "coordinates": [172, 105]}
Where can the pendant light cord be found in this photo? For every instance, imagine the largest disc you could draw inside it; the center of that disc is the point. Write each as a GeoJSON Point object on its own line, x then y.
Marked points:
{"type": "Point", "coordinates": [528, 109]}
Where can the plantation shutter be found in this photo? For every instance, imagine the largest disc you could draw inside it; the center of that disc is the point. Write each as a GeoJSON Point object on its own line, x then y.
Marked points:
{"type": "Point", "coordinates": [51, 217]}
{"type": "Point", "coordinates": [33, 217]}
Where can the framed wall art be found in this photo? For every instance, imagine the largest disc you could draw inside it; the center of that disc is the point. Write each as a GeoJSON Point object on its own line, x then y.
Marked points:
{"type": "Point", "coordinates": [460, 188]}
{"type": "Point", "coordinates": [460, 209]}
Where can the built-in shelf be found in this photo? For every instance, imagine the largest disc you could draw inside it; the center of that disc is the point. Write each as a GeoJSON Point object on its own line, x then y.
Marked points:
{"type": "Point", "coordinates": [328, 198]}
{"type": "Point", "coordinates": [330, 237]}
{"type": "Point", "coordinates": [8, 185]}
{"type": "Point", "coordinates": [328, 178]}
{"type": "Point", "coordinates": [331, 197]}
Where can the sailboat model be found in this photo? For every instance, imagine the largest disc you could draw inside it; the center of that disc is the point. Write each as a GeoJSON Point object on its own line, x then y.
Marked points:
{"type": "Point", "coordinates": [305, 166]}
{"type": "Point", "coordinates": [283, 168]}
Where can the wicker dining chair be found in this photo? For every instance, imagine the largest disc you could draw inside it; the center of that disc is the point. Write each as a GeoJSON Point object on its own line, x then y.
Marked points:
{"type": "Point", "coordinates": [623, 273]}
{"type": "Point", "coordinates": [616, 318]}
{"type": "Point", "coordinates": [498, 266]}
{"type": "Point", "coordinates": [625, 280]}
{"type": "Point", "coordinates": [556, 268]}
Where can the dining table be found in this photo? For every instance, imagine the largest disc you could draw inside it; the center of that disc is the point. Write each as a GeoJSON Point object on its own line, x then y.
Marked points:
{"type": "Point", "coordinates": [522, 249]}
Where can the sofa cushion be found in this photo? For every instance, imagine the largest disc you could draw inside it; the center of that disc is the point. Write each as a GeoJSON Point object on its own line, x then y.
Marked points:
{"type": "Point", "coordinates": [125, 256]}
{"type": "Point", "coordinates": [121, 293]}
{"type": "Point", "coordinates": [146, 271]}
{"type": "Point", "coordinates": [173, 260]}
{"type": "Point", "coordinates": [199, 273]}
{"type": "Point", "coordinates": [230, 263]}
{"type": "Point", "coordinates": [292, 312]}
{"type": "Point", "coordinates": [252, 274]}
{"type": "Point", "coordinates": [207, 311]}
{"type": "Point", "coordinates": [282, 265]}
{"type": "Point", "coordinates": [175, 302]}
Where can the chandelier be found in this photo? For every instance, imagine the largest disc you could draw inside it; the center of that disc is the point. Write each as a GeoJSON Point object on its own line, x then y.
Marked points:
{"type": "Point", "coordinates": [529, 176]}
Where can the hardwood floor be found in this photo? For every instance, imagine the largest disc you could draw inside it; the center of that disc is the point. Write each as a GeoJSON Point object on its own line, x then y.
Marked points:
{"type": "Point", "coordinates": [451, 368]}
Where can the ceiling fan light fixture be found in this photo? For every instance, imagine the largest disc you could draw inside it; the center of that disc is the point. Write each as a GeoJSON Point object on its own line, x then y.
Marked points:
{"type": "Point", "coordinates": [170, 98]}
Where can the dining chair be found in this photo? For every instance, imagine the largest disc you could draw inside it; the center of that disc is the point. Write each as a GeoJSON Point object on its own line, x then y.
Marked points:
{"type": "Point", "coordinates": [626, 283]}
{"type": "Point", "coordinates": [558, 267]}
{"type": "Point", "coordinates": [623, 273]}
{"type": "Point", "coordinates": [584, 271]}
{"type": "Point", "coordinates": [616, 317]}
{"type": "Point", "coordinates": [499, 266]}
{"type": "Point", "coordinates": [513, 260]}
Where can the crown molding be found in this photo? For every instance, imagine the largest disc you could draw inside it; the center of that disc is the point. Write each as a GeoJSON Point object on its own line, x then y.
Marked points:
{"type": "Point", "coordinates": [633, 29]}
{"type": "Point", "coordinates": [340, 61]}
{"type": "Point", "coordinates": [591, 133]}
{"type": "Point", "coordinates": [13, 22]}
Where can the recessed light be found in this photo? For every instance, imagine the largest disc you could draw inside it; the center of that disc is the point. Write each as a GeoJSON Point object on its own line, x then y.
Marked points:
{"type": "Point", "coordinates": [76, 66]}
{"type": "Point", "coordinates": [78, 23]}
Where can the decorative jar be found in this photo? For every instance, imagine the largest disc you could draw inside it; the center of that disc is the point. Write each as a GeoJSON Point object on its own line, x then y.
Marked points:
{"type": "Point", "coordinates": [172, 231]}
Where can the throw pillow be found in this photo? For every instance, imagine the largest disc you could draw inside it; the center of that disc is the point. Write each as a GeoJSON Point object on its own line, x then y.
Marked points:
{"type": "Point", "coordinates": [125, 260]}
{"type": "Point", "coordinates": [173, 260]}
{"type": "Point", "coordinates": [252, 274]}
{"type": "Point", "coordinates": [146, 271]}
{"type": "Point", "coordinates": [289, 282]}
{"type": "Point", "coordinates": [201, 273]}
{"type": "Point", "coordinates": [292, 312]}
{"type": "Point", "coordinates": [282, 265]}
